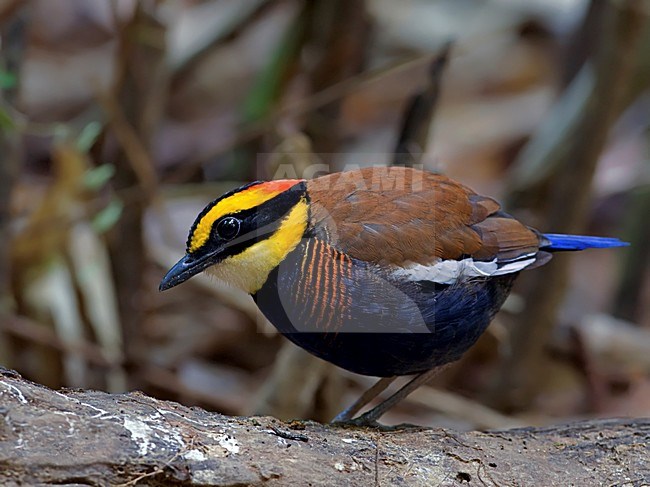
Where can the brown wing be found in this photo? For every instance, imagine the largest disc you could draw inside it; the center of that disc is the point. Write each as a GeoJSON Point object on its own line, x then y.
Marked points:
{"type": "Point", "coordinates": [399, 215]}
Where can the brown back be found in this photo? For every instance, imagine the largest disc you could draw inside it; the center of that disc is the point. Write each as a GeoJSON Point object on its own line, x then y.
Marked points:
{"type": "Point", "coordinates": [400, 215]}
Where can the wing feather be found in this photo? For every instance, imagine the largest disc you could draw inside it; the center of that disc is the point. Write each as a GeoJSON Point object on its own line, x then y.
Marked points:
{"type": "Point", "coordinates": [401, 216]}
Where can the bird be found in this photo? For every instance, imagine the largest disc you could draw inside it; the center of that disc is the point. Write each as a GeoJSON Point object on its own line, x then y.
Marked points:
{"type": "Point", "coordinates": [382, 271]}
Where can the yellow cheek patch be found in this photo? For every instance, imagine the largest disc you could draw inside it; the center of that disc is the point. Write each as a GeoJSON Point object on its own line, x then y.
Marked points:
{"type": "Point", "coordinates": [250, 269]}
{"type": "Point", "coordinates": [242, 200]}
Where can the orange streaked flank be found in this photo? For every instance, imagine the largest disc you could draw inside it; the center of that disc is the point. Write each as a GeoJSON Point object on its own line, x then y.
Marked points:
{"type": "Point", "coordinates": [314, 274]}
{"type": "Point", "coordinates": [326, 267]}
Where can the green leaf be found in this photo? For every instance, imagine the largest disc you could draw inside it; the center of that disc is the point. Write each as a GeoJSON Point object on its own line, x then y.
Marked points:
{"type": "Point", "coordinates": [97, 177]}
{"type": "Point", "coordinates": [88, 136]}
{"type": "Point", "coordinates": [268, 85]}
{"type": "Point", "coordinates": [7, 123]}
{"type": "Point", "coordinates": [108, 217]}
{"type": "Point", "coordinates": [8, 80]}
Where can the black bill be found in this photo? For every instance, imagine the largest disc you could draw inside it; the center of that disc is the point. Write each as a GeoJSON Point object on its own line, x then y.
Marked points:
{"type": "Point", "coordinates": [185, 268]}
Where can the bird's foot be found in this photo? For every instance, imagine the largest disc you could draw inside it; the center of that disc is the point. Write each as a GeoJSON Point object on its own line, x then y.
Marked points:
{"type": "Point", "coordinates": [348, 413]}
{"type": "Point", "coordinates": [345, 416]}
{"type": "Point", "coordinates": [370, 423]}
{"type": "Point", "coordinates": [359, 422]}
{"type": "Point", "coordinates": [367, 420]}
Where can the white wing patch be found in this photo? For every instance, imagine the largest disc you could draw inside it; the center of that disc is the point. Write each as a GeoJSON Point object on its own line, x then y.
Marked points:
{"type": "Point", "coordinates": [515, 266]}
{"type": "Point", "coordinates": [450, 271]}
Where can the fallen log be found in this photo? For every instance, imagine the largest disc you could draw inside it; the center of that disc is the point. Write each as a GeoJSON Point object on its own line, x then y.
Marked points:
{"type": "Point", "coordinates": [78, 437]}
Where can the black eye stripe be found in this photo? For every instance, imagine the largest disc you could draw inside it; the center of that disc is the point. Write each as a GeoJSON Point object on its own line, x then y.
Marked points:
{"type": "Point", "coordinates": [267, 213]}
{"type": "Point", "coordinates": [255, 224]}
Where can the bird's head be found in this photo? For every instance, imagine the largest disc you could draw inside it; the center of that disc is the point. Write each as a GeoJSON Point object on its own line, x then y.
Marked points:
{"type": "Point", "coordinates": [243, 235]}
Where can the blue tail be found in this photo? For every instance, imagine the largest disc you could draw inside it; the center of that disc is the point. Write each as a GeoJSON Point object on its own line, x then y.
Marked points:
{"type": "Point", "coordinates": [558, 241]}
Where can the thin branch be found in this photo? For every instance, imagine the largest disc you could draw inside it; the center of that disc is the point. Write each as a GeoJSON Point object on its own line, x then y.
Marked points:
{"type": "Point", "coordinates": [250, 14]}
{"type": "Point", "coordinates": [13, 34]}
{"type": "Point", "coordinates": [36, 333]}
{"type": "Point", "coordinates": [419, 114]}
{"type": "Point", "coordinates": [301, 107]}
{"type": "Point", "coordinates": [613, 65]}
{"type": "Point", "coordinates": [131, 143]}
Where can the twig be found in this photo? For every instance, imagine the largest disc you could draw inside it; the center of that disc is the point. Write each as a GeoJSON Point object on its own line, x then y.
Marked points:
{"type": "Point", "coordinates": [167, 380]}
{"type": "Point", "coordinates": [545, 153]}
{"type": "Point", "coordinates": [140, 93]}
{"type": "Point", "coordinates": [620, 344]}
{"type": "Point", "coordinates": [251, 14]}
{"type": "Point", "coordinates": [8, 9]}
{"type": "Point", "coordinates": [290, 390]}
{"type": "Point", "coordinates": [458, 407]}
{"type": "Point", "coordinates": [338, 41]}
{"type": "Point", "coordinates": [131, 143]}
{"type": "Point", "coordinates": [269, 86]}
{"type": "Point", "coordinates": [28, 330]}
{"type": "Point", "coordinates": [636, 264]}
{"type": "Point", "coordinates": [419, 113]}
{"type": "Point", "coordinates": [13, 38]}
{"type": "Point", "coordinates": [288, 435]}
{"type": "Point", "coordinates": [583, 359]}
{"type": "Point", "coordinates": [453, 406]}
{"type": "Point", "coordinates": [301, 107]}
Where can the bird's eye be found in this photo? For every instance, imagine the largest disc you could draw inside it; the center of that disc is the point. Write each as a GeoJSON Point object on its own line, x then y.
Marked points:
{"type": "Point", "coordinates": [228, 228]}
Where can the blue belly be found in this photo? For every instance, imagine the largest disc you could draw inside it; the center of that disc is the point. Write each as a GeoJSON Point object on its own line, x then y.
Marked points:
{"type": "Point", "coordinates": [369, 324]}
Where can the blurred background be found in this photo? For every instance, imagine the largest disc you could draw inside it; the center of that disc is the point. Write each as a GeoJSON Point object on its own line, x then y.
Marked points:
{"type": "Point", "coordinates": [121, 119]}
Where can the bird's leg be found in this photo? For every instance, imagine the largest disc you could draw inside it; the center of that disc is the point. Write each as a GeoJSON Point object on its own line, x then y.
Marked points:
{"type": "Point", "coordinates": [370, 418]}
{"type": "Point", "coordinates": [365, 398]}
